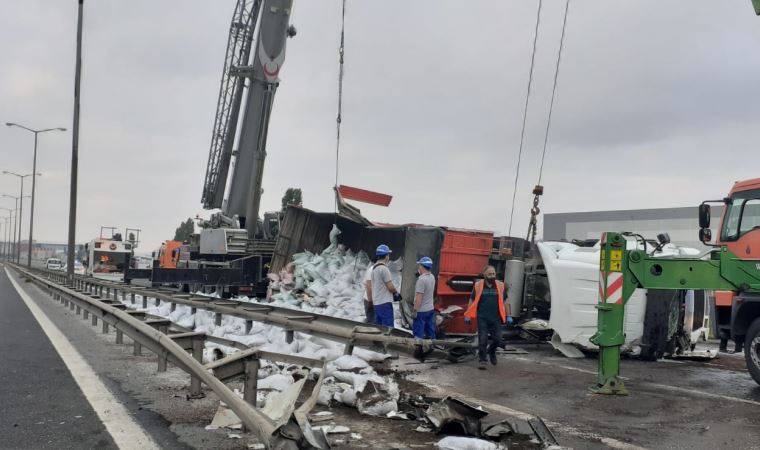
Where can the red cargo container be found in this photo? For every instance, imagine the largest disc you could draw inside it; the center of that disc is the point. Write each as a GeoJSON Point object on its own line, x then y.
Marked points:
{"type": "Point", "coordinates": [464, 253]}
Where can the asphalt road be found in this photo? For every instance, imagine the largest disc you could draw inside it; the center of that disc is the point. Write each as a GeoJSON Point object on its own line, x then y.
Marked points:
{"type": "Point", "coordinates": [42, 406]}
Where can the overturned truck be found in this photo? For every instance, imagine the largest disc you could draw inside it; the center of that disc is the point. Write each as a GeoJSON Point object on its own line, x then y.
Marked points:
{"type": "Point", "coordinates": [552, 291]}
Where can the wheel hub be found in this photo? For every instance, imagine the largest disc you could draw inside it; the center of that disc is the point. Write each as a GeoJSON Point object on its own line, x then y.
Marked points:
{"type": "Point", "coordinates": [754, 351]}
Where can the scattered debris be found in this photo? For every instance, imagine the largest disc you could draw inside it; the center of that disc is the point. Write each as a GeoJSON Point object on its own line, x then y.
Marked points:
{"type": "Point", "coordinates": [356, 436]}
{"type": "Point", "coordinates": [378, 399]}
{"type": "Point", "coordinates": [466, 443]}
{"type": "Point", "coordinates": [321, 416]}
{"type": "Point", "coordinates": [224, 418]}
{"type": "Point", "coordinates": [499, 430]}
{"type": "Point", "coordinates": [536, 325]}
{"type": "Point", "coordinates": [542, 432]}
{"type": "Point", "coordinates": [568, 350]}
{"type": "Point", "coordinates": [333, 429]}
{"type": "Point", "coordinates": [423, 429]}
{"type": "Point", "coordinates": [451, 415]}
{"type": "Point", "coordinates": [234, 436]}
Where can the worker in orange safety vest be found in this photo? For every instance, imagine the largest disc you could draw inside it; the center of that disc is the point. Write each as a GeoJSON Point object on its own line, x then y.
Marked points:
{"type": "Point", "coordinates": [488, 304]}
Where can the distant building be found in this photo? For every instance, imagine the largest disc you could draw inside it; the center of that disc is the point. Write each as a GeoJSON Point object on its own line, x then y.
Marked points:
{"type": "Point", "coordinates": [43, 251]}
{"type": "Point", "coordinates": [680, 223]}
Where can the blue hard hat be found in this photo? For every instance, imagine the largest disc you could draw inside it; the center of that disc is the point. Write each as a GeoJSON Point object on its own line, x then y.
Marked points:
{"type": "Point", "coordinates": [382, 250]}
{"type": "Point", "coordinates": [425, 262]}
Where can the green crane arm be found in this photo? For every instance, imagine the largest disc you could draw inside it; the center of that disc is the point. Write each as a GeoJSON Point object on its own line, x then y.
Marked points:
{"type": "Point", "coordinates": [621, 271]}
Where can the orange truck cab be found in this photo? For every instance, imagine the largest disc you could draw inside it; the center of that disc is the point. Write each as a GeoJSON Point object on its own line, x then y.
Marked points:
{"type": "Point", "coordinates": [168, 254]}
{"type": "Point", "coordinates": [736, 312]}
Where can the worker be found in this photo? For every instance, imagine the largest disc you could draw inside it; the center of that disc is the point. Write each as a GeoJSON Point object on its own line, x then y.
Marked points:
{"type": "Point", "coordinates": [384, 293]}
{"type": "Point", "coordinates": [488, 304]}
{"type": "Point", "coordinates": [423, 326]}
{"type": "Point", "coordinates": [369, 309]}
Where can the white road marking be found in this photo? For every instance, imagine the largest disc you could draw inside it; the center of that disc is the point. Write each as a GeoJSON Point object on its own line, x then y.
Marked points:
{"type": "Point", "coordinates": [666, 387]}
{"type": "Point", "coordinates": [126, 433]}
{"type": "Point", "coordinates": [587, 435]}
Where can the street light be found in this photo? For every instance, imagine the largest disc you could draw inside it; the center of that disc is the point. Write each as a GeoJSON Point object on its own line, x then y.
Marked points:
{"type": "Point", "coordinates": [21, 211]}
{"type": "Point", "coordinates": [34, 179]}
{"type": "Point", "coordinates": [7, 245]}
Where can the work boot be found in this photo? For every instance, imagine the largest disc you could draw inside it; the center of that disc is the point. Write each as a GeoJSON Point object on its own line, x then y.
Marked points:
{"type": "Point", "coordinates": [482, 365]}
{"type": "Point", "coordinates": [493, 359]}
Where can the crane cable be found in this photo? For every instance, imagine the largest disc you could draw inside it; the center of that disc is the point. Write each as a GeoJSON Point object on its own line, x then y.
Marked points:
{"type": "Point", "coordinates": [554, 90]}
{"type": "Point", "coordinates": [525, 115]}
{"type": "Point", "coordinates": [538, 190]}
{"type": "Point", "coordinates": [339, 119]}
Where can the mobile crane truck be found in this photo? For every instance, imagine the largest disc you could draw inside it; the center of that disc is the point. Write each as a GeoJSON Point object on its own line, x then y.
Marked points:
{"type": "Point", "coordinates": [731, 268]}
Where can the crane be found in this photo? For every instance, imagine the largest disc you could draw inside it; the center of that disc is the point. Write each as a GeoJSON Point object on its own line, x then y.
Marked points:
{"type": "Point", "coordinates": [258, 75]}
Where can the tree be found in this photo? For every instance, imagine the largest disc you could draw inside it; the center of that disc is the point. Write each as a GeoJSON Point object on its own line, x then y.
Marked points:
{"type": "Point", "coordinates": [292, 197]}
{"type": "Point", "coordinates": [185, 230]}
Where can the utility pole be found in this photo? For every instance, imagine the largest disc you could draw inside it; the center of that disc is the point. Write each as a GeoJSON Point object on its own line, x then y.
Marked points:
{"type": "Point", "coordinates": [75, 151]}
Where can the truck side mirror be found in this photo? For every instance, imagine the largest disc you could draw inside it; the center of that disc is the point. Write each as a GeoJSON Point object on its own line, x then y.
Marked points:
{"type": "Point", "coordinates": [704, 215]}
{"type": "Point", "coordinates": [705, 235]}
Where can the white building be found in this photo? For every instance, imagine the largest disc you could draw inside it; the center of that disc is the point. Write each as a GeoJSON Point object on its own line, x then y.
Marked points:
{"type": "Point", "coordinates": [680, 223]}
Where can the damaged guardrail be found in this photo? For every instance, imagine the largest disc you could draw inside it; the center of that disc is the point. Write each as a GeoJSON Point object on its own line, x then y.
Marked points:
{"type": "Point", "coordinates": [281, 427]}
{"type": "Point", "coordinates": [349, 332]}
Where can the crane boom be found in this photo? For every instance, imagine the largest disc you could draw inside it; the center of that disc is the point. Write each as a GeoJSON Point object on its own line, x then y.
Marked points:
{"type": "Point", "coordinates": [263, 78]}
{"type": "Point", "coordinates": [228, 105]}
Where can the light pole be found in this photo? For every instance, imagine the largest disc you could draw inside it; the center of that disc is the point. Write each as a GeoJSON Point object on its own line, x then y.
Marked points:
{"type": "Point", "coordinates": [7, 246]}
{"type": "Point", "coordinates": [16, 221]}
{"type": "Point", "coordinates": [12, 249]}
{"type": "Point", "coordinates": [21, 212]}
{"type": "Point", "coordinates": [34, 179]}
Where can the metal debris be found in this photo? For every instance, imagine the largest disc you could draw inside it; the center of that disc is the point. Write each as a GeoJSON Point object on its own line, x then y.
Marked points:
{"type": "Point", "coordinates": [454, 416]}
{"type": "Point", "coordinates": [568, 350]}
{"type": "Point", "coordinates": [542, 432]}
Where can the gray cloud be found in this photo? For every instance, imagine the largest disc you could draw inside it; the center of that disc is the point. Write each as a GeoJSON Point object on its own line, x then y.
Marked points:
{"type": "Point", "coordinates": [655, 107]}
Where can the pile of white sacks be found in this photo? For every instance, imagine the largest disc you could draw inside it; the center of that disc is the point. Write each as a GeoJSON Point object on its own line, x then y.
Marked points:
{"type": "Point", "coordinates": [329, 283]}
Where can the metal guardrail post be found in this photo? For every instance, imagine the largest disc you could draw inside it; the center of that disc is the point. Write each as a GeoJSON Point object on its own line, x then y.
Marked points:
{"type": "Point", "coordinates": [132, 297]}
{"type": "Point", "coordinates": [349, 349]}
{"type": "Point", "coordinates": [119, 336]}
{"type": "Point", "coordinates": [195, 383]}
{"type": "Point", "coordinates": [251, 383]}
{"type": "Point", "coordinates": [248, 326]}
{"type": "Point", "coordinates": [174, 306]}
{"type": "Point", "coordinates": [289, 336]}
{"type": "Point", "coordinates": [145, 301]}
{"type": "Point", "coordinates": [218, 319]}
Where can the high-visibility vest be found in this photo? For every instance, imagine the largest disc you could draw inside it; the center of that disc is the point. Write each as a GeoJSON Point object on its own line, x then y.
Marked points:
{"type": "Point", "coordinates": [472, 311]}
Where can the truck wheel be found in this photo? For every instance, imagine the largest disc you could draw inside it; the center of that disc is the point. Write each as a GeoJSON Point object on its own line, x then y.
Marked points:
{"type": "Point", "coordinates": [752, 350]}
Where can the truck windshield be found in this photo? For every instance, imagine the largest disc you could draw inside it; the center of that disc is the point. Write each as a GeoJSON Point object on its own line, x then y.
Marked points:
{"type": "Point", "coordinates": [742, 215]}
{"type": "Point", "coordinates": [109, 262]}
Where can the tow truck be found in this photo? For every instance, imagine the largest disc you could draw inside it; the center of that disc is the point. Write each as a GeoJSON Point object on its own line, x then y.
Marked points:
{"type": "Point", "coordinates": [731, 268]}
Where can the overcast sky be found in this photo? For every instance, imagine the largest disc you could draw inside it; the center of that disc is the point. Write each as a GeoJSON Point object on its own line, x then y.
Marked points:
{"type": "Point", "coordinates": [658, 105]}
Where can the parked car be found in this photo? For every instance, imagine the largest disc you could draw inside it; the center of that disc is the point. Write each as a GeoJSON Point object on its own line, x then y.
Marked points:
{"type": "Point", "coordinates": [54, 264]}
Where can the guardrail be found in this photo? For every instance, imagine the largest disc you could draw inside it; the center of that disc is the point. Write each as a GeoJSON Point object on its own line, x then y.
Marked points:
{"type": "Point", "coordinates": [285, 427]}
{"type": "Point", "coordinates": [349, 332]}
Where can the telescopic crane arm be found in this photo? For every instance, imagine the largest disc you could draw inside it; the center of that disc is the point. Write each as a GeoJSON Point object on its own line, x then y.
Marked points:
{"type": "Point", "coordinates": [261, 77]}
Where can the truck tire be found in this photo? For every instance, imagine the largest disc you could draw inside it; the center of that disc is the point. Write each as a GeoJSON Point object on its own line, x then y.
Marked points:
{"type": "Point", "coordinates": [752, 350]}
